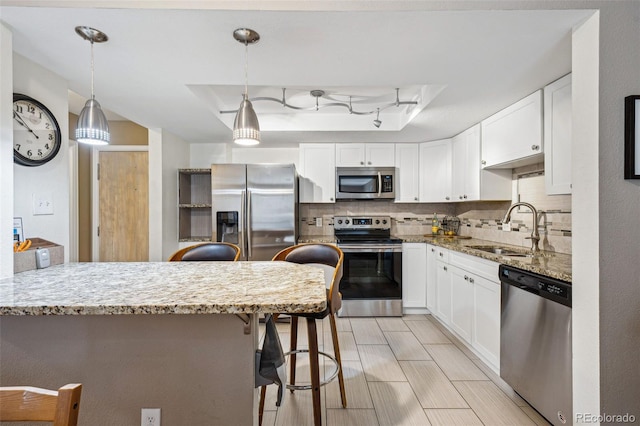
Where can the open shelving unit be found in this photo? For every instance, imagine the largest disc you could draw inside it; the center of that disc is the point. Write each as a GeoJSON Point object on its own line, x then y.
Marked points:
{"type": "Point", "coordinates": [194, 205]}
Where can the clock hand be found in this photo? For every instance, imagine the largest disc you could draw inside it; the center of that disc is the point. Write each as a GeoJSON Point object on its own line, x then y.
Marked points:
{"type": "Point", "coordinates": [22, 123]}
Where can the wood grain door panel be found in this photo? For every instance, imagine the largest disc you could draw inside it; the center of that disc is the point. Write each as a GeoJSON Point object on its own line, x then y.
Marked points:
{"type": "Point", "coordinates": [124, 206]}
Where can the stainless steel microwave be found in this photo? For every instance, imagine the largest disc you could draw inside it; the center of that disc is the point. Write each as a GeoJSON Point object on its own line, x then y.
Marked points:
{"type": "Point", "coordinates": [365, 183]}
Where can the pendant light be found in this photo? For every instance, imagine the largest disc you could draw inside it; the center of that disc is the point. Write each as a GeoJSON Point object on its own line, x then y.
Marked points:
{"type": "Point", "coordinates": [246, 129]}
{"type": "Point", "coordinates": [92, 127]}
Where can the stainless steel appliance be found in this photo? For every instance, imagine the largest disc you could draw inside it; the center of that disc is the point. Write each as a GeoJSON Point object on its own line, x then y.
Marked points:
{"type": "Point", "coordinates": [256, 207]}
{"type": "Point", "coordinates": [365, 183]}
{"type": "Point", "coordinates": [535, 341]}
{"type": "Point", "coordinates": [371, 282]}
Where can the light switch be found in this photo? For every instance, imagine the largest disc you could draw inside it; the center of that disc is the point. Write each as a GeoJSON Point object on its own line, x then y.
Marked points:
{"type": "Point", "coordinates": [43, 203]}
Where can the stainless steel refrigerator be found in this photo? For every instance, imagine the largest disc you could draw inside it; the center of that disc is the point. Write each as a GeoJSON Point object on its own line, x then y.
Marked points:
{"type": "Point", "coordinates": [255, 206]}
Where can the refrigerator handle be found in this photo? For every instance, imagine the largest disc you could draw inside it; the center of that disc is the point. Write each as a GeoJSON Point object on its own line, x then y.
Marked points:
{"type": "Point", "coordinates": [248, 220]}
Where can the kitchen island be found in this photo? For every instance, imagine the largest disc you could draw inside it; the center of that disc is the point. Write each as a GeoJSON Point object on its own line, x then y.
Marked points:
{"type": "Point", "coordinates": [167, 335]}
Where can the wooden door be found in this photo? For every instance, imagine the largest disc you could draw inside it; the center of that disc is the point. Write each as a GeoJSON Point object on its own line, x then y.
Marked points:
{"type": "Point", "coordinates": [124, 206]}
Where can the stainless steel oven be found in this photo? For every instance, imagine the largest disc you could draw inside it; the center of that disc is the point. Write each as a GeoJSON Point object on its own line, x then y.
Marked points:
{"type": "Point", "coordinates": [368, 183]}
{"type": "Point", "coordinates": [371, 283]}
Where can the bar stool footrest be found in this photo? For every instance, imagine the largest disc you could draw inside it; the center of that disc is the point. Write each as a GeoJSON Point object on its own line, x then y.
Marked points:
{"type": "Point", "coordinates": [329, 379]}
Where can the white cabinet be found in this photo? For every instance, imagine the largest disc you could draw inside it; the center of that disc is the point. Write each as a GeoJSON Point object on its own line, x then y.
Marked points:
{"type": "Point", "coordinates": [443, 286]}
{"type": "Point", "coordinates": [407, 173]}
{"type": "Point", "coordinates": [513, 136]}
{"type": "Point", "coordinates": [486, 318]}
{"type": "Point", "coordinates": [365, 155]}
{"type": "Point", "coordinates": [435, 171]}
{"type": "Point", "coordinates": [461, 302]}
{"type": "Point", "coordinates": [557, 136]}
{"type": "Point", "coordinates": [317, 178]}
{"type": "Point", "coordinates": [431, 278]}
{"type": "Point", "coordinates": [414, 276]}
{"type": "Point", "coordinates": [470, 182]}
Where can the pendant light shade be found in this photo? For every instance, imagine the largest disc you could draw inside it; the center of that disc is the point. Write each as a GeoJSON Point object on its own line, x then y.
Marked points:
{"type": "Point", "coordinates": [92, 127]}
{"type": "Point", "coordinates": [246, 129]}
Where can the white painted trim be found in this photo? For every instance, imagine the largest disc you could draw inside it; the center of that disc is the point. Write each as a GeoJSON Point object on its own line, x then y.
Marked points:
{"type": "Point", "coordinates": [95, 195]}
{"type": "Point", "coordinates": [73, 201]}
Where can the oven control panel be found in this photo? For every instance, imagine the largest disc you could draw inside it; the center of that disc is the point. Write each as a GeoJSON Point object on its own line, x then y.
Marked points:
{"type": "Point", "coordinates": [362, 222]}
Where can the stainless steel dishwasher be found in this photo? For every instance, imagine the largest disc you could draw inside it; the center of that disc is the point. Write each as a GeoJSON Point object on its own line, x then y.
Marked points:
{"type": "Point", "coordinates": [535, 341]}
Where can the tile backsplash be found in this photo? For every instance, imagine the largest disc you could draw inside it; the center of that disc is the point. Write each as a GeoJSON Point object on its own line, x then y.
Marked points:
{"type": "Point", "coordinates": [480, 219]}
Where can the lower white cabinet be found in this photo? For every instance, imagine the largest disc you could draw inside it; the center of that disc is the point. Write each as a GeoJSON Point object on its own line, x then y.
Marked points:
{"type": "Point", "coordinates": [461, 302]}
{"type": "Point", "coordinates": [431, 278]}
{"type": "Point", "coordinates": [485, 337]}
{"type": "Point", "coordinates": [414, 276]}
{"type": "Point", "coordinates": [466, 299]}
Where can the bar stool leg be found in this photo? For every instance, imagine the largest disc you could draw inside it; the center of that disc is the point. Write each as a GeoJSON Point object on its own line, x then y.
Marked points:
{"type": "Point", "coordinates": [293, 346]}
{"type": "Point", "coordinates": [315, 370]}
{"type": "Point", "coordinates": [336, 352]}
{"type": "Point", "coordinates": [263, 395]}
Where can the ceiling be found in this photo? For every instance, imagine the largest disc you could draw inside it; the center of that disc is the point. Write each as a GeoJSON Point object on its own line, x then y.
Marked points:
{"type": "Point", "coordinates": [177, 69]}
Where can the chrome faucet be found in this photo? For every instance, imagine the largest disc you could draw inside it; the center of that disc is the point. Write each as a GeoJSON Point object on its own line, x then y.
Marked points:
{"type": "Point", "coordinates": [535, 235]}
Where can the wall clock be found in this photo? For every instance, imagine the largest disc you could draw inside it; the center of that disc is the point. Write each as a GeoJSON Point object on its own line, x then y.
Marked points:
{"type": "Point", "coordinates": [36, 133]}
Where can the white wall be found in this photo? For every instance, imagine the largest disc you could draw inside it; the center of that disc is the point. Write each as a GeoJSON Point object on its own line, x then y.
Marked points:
{"type": "Point", "coordinates": [265, 155]}
{"type": "Point", "coordinates": [167, 154]}
{"type": "Point", "coordinates": [203, 155]}
{"type": "Point", "coordinates": [53, 177]}
{"type": "Point", "coordinates": [6, 152]}
{"type": "Point", "coordinates": [586, 330]}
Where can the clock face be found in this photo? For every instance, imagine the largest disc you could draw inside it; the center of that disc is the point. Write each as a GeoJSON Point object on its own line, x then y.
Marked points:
{"type": "Point", "coordinates": [36, 134]}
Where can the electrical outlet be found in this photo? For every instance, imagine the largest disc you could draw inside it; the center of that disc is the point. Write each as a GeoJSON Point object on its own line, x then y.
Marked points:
{"type": "Point", "coordinates": [319, 222]}
{"type": "Point", "coordinates": [506, 226]}
{"type": "Point", "coordinates": [150, 417]}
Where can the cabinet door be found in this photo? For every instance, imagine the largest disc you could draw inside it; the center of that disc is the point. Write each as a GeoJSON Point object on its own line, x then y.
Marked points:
{"type": "Point", "coordinates": [407, 172]}
{"type": "Point", "coordinates": [443, 292]}
{"type": "Point", "coordinates": [317, 173]}
{"type": "Point", "coordinates": [458, 167]}
{"type": "Point", "coordinates": [414, 275]}
{"type": "Point", "coordinates": [435, 171]}
{"type": "Point", "coordinates": [486, 319]}
{"type": "Point", "coordinates": [431, 278]}
{"type": "Point", "coordinates": [557, 136]}
{"type": "Point", "coordinates": [380, 155]}
{"type": "Point", "coordinates": [350, 155]}
{"type": "Point", "coordinates": [513, 136]}
{"type": "Point", "coordinates": [461, 302]}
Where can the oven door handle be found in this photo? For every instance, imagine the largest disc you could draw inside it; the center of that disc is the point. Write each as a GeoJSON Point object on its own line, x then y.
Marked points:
{"type": "Point", "coordinates": [370, 248]}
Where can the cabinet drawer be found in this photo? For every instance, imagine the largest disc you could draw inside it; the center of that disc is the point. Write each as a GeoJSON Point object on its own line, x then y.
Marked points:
{"type": "Point", "coordinates": [442, 254]}
{"type": "Point", "coordinates": [475, 265]}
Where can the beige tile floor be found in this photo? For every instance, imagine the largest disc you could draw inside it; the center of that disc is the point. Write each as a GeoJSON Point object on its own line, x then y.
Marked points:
{"type": "Point", "coordinates": [400, 371]}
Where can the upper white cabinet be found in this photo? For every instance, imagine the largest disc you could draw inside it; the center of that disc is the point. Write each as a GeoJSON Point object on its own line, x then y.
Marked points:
{"type": "Point", "coordinates": [435, 171]}
{"type": "Point", "coordinates": [513, 136]}
{"type": "Point", "coordinates": [557, 136]}
{"type": "Point", "coordinates": [365, 155]}
{"type": "Point", "coordinates": [414, 277]}
{"type": "Point", "coordinates": [407, 173]}
{"type": "Point", "coordinates": [317, 173]}
{"type": "Point", "coordinates": [470, 182]}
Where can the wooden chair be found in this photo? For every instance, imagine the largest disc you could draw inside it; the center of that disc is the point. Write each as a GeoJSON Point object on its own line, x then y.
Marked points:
{"type": "Point", "coordinates": [330, 258]}
{"type": "Point", "coordinates": [207, 251]}
{"type": "Point", "coordinates": [25, 403]}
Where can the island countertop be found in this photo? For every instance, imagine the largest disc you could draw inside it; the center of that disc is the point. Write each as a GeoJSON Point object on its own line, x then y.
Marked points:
{"type": "Point", "coordinates": [106, 288]}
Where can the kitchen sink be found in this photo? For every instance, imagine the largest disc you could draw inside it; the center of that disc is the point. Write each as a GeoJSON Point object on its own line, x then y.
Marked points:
{"type": "Point", "coordinates": [503, 251]}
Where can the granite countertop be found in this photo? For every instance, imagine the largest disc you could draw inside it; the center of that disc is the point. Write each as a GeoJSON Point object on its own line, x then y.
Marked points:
{"type": "Point", "coordinates": [164, 288]}
{"type": "Point", "coordinates": [550, 264]}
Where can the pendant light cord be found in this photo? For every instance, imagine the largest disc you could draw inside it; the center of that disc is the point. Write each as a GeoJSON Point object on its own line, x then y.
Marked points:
{"type": "Point", "coordinates": [92, 95]}
{"type": "Point", "coordinates": [246, 71]}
